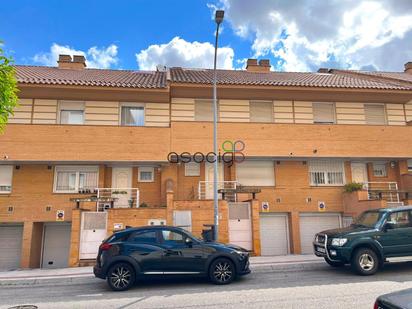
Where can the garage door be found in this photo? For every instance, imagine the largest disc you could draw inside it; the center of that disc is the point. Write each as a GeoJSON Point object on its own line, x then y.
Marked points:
{"type": "Point", "coordinates": [10, 244]}
{"type": "Point", "coordinates": [274, 234]}
{"type": "Point", "coordinates": [310, 224]}
{"type": "Point", "coordinates": [56, 245]}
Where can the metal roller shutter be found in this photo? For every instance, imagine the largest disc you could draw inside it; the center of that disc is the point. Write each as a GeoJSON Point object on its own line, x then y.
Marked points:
{"type": "Point", "coordinates": [310, 224]}
{"type": "Point", "coordinates": [10, 244]}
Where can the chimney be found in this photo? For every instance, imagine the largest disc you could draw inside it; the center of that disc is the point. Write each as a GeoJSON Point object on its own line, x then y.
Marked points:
{"type": "Point", "coordinates": [408, 67]}
{"type": "Point", "coordinates": [323, 70]}
{"type": "Point", "coordinates": [65, 62]}
{"type": "Point", "coordinates": [253, 65]}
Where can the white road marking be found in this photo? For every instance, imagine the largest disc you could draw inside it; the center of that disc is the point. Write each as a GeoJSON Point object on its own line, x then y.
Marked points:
{"type": "Point", "coordinates": [89, 295]}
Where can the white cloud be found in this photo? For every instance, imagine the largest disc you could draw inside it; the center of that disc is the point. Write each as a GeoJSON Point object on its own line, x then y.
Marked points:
{"type": "Point", "coordinates": [179, 52]}
{"type": "Point", "coordinates": [307, 34]}
{"type": "Point", "coordinates": [102, 58]}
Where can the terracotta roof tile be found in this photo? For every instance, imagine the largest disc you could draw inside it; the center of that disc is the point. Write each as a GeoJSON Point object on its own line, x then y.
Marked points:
{"type": "Point", "coordinates": [295, 79]}
{"type": "Point", "coordinates": [90, 77]}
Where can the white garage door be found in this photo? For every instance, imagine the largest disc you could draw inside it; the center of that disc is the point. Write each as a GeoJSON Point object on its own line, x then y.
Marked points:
{"type": "Point", "coordinates": [310, 224]}
{"type": "Point", "coordinates": [56, 245]}
{"type": "Point", "coordinates": [10, 244]}
{"type": "Point", "coordinates": [274, 234]}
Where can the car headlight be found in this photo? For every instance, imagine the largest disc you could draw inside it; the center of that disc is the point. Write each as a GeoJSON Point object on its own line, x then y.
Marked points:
{"type": "Point", "coordinates": [242, 253]}
{"type": "Point", "coordinates": [339, 242]}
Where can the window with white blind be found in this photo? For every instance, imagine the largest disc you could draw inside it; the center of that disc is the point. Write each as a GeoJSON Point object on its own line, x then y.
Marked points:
{"type": "Point", "coordinates": [6, 176]}
{"type": "Point", "coordinates": [375, 114]}
{"type": "Point", "coordinates": [256, 173]}
{"type": "Point", "coordinates": [410, 165]}
{"type": "Point", "coordinates": [379, 169]}
{"type": "Point", "coordinates": [75, 179]}
{"type": "Point", "coordinates": [146, 174]}
{"type": "Point", "coordinates": [326, 173]}
{"type": "Point", "coordinates": [204, 110]}
{"type": "Point", "coordinates": [261, 111]}
{"type": "Point", "coordinates": [323, 112]}
{"type": "Point", "coordinates": [71, 112]}
{"type": "Point", "coordinates": [132, 115]}
{"type": "Point", "coordinates": [192, 169]}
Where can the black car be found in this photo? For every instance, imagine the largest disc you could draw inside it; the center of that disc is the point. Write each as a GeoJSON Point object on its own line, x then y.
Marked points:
{"type": "Point", "coordinates": [396, 300]}
{"type": "Point", "coordinates": [161, 250]}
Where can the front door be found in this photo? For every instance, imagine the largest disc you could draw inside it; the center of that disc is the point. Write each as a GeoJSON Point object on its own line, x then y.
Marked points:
{"type": "Point", "coordinates": [209, 172]}
{"type": "Point", "coordinates": [240, 225]}
{"type": "Point", "coordinates": [121, 184]}
{"type": "Point", "coordinates": [359, 172]}
{"type": "Point", "coordinates": [180, 257]}
{"type": "Point", "coordinates": [397, 241]}
{"type": "Point", "coordinates": [93, 232]}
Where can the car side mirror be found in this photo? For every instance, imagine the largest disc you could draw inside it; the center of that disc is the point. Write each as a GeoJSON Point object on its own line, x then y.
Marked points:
{"type": "Point", "coordinates": [188, 241]}
{"type": "Point", "coordinates": [388, 226]}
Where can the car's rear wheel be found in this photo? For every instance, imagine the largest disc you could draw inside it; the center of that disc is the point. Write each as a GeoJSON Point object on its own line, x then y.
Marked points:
{"type": "Point", "coordinates": [121, 276]}
{"type": "Point", "coordinates": [334, 263]}
{"type": "Point", "coordinates": [365, 262]}
{"type": "Point", "coordinates": [222, 271]}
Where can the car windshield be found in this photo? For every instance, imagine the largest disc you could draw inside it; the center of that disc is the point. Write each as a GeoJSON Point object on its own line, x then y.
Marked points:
{"type": "Point", "coordinates": [368, 219]}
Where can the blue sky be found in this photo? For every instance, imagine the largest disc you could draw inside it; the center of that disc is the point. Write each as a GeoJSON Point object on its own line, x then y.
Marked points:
{"type": "Point", "coordinates": [300, 35]}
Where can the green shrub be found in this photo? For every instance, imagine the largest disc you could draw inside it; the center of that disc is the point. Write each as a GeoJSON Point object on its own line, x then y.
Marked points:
{"type": "Point", "coordinates": [353, 186]}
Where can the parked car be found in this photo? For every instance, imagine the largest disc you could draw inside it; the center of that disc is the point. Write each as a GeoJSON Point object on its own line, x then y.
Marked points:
{"type": "Point", "coordinates": [134, 253]}
{"type": "Point", "coordinates": [396, 300]}
{"type": "Point", "coordinates": [374, 236]}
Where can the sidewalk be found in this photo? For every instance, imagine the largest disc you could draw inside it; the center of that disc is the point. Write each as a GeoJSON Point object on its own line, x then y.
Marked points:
{"type": "Point", "coordinates": [64, 275]}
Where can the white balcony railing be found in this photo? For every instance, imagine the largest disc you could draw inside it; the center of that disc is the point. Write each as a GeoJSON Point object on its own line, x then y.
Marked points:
{"type": "Point", "coordinates": [117, 198]}
{"type": "Point", "coordinates": [205, 190]}
{"type": "Point", "coordinates": [383, 190]}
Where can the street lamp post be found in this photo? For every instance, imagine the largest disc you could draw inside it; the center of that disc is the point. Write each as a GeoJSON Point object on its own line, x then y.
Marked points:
{"type": "Point", "coordinates": [218, 19]}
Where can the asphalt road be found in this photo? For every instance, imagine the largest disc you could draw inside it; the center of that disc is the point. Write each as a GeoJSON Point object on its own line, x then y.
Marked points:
{"type": "Point", "coordinates": [325, 287]}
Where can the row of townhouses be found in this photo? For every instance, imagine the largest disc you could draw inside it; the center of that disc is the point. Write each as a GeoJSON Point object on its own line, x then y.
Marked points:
{"type": "Point", "coordinates": [91, 151]}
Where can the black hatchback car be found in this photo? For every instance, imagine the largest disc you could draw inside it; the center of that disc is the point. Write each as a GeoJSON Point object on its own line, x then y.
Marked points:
{"type": "Point", "coordinates": [134, 253]}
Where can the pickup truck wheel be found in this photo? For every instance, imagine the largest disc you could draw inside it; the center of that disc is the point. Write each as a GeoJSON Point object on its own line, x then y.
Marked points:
{"type": "Point", "coordinates": [365, 262]}
{"type": "Point", "coordinates": [334, 263]}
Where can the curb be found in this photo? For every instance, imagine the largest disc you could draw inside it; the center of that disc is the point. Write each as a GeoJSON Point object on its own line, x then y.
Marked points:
{"type": "Point", "coordinates": [87, 277]}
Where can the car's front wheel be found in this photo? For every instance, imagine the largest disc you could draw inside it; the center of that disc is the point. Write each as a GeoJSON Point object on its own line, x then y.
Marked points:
{"type": "Point", "coordinates": [120, 277]}
{"type": "Point", "coordinates": [222, 271]}
{"type": "Point", "coordinates": [365, 262]}
{"type": "Point", "coordinates": [334, 263]}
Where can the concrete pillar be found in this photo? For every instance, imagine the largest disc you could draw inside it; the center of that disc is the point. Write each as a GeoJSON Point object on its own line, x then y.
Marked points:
{"type": "Point", "coordinates": [75, 238]}
{"type": "Point", "coordinates": [294, 231]}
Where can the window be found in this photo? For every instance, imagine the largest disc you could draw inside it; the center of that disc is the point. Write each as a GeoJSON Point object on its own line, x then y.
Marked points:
{"type": "Point", "coordinates": [148, 237]}
{"type": "Point", "coordinates": [410, 165]}
{"type": "Point", "coordinates": [375, 114]}
{"type": "Point", "coordinates": [256, 173]}
{"type": "Point", "coordinates": [379, 169]}
{"type": "Point", "coordinates": [192, 169]}
{"type": "Point", "coordinates": [146, 174]}
{"type": "Point", "coordinates": [261, 111]}
{"type": "Point", "coordinates": [326, 173]}
{"type": "Point", "coordinates": [75, 179]}
{"type": "Point", "coordinates": [132, 115]}
{"type": "Point", "coordinates": [6, 175]}
{"type": "Point", "coordinates": [204, 110]}
{"type": "Point", "coordinates": [172, 238]}
{"type": "Point", "coordinates": [400, 219]}
{"type": "Point", "coordinates": [323, 112]}
{"type": "Point", "coordinates": [71, 112]}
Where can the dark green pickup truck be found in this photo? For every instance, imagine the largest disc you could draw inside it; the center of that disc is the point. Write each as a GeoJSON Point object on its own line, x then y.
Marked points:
{"type": "Point", "coordinates": [373, 237]}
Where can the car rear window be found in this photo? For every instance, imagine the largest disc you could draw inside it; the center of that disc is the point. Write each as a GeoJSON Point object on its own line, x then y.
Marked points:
{"type": "Point", "coordinates": [148, 237]}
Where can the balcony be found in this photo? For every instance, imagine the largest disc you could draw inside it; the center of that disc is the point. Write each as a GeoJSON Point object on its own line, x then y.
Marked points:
{"type": "Point", "coordinates": [205, 190]}
{"type": "Point", "coordinates": [108, 198]}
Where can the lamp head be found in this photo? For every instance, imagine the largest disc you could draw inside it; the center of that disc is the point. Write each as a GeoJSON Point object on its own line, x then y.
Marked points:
{"type": "Point", "coordinates": [219, 16]}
